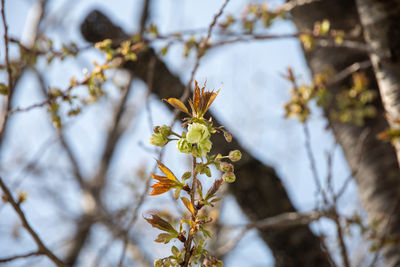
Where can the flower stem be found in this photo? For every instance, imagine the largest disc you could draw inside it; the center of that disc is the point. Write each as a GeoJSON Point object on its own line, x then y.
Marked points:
{"type": "Point", "coordinates": [188, 243]}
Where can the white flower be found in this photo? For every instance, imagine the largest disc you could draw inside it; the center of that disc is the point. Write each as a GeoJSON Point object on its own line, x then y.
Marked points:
{"type": "Point", "coordinates": [197, 133]}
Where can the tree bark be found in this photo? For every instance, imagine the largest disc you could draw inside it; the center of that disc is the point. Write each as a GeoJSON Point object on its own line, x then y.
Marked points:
{"type": "Point", "coordinates": [374, 162]}
{"type": "Point", "coordinates": [380, 21]}
{"type": "Point", "coordinates": [258, 189]}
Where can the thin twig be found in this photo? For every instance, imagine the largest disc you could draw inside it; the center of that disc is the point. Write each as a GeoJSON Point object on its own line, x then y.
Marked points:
{"type": "Point", "coordinates": [313, 163]}
{"type": "Point", "coordinates": [288, 219]}
{"type": "Point", "coordinates": [340, 236]}
{"type": "Point", "coordinates": [22, 256]}
{"type": "Point", "coordinates": [144, 17]}
{"type": "Point", "coordinates": [136, 211]}
{"type": "Point", "coordinates": [200, 53]}
{"type": "Point", "coordinates": [9, 72]}
{"type": "Point", "coordinates": [43, 250]}
{"type": "Point", "coordinates": [29, 108]}
{"type": "Point", "coordinates": [349, 71]}
{"type": "Point", "coordinates": [320, 41]}
{"type": "Point", "coordinates": [150, 77]}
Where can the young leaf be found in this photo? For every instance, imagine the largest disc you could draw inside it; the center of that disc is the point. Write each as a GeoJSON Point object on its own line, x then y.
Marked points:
{"type": "Point", "coordinates": [163, 185]}
{"type": "Point", "coordinates": [205, 232]}
{"type": "Point", "coordinates": [157, 222]}
{"type": "Point", "coordinates": [164, 238]}
{"type": "Point", "coordinates": [213, 189]}
{"type": "Point", "coordinates": [188, 205]}
{"type": "Point", "coordinates": [176, 103]}
{"type": "Point", "coordinates": [177, 193]}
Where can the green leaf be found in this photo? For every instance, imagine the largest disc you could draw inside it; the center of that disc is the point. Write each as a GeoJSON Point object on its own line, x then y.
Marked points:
{"type": "Point", "coordinates": [177, 193]}
{"type": "Point", "coordinates": [205, 232]}
{"type": "Point", "coordinates": [164, 238]}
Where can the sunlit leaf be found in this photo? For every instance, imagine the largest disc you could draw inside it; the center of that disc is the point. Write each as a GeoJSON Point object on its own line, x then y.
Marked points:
{"type": "Point", "coordinates": [188, 205]}
{"type": "Point", "coordinates": [163, 185]}
{"type": "Point", "coordinates": [167, 171]}
{"type": "Point", "coordinates": [176, 103]}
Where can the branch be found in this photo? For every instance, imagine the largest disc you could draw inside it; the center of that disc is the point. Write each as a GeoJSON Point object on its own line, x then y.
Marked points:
{"type": "Point", "coordinates": [16, 257]}
{"type": "Point", "coordinates": [43, 250]}
{"type": "Point", "coordinates": [9, 72]}
{"type": "Point", "coordinates": [284, 220]}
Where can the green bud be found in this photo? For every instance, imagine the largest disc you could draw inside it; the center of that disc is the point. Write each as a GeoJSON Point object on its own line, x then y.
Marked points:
{"type": "Point", "coordinates": [165, 130]}
{"type": "Point", "coordinates": [235, 155]}
{"type": "Point", "coordinates": [156, 129]}
{"type": "Point", "coordinates": [158, 140]}
{"type": "Point", "coordinates": [184, 146]}
{"type": "Point", "coordinates": [205, 146]}
{"type": "Point", "coordinates": [229, 177]}
{"type": "Point", "coordinates": [197, 133]}
{"type": "Point", "coordinates": [228, 137]}
{"type": "Point", "coordinates": [226, 167]}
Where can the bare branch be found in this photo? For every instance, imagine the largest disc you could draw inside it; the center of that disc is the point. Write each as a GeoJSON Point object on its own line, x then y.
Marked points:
{"type": "Point", "coordinates": [202, 48]}
{"type": "Point", "coordinates": [284, 220]}
{"type": "Point", "coordinates": [9, 72]}
{"type": "Point", "coordinates": [43, 250]}
{"type": "Point", "coordinates": [16, 257]}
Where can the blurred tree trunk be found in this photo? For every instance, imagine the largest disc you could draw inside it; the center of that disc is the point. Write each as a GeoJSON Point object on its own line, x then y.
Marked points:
{"type": "Point", "coordinates": [373, 161]}
{"type": "Point", "coordinates": [380, 21]}
{"type": "Point", "coordinates": [258, 189]}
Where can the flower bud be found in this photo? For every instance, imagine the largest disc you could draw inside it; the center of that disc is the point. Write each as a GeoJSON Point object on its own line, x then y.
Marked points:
{"type": "Point", "coordinates": [165, 130]}
{"type": "Point", "coordinates": [184, 146]}
{"type": "Point", "coordinates": [229, 177]}
{"type": "Point", "coordinates": [197, 133]}
{"type": "Point", "coordinates": [158, 140]}
{"type": "Point", "coordinates": [156, 129]}
{"type": "Point", "coordinates": [235, 155]}
{"type": "Point", "coordinates": [228, 137]}
{"type": "Point", "coordinates": [226, 167]}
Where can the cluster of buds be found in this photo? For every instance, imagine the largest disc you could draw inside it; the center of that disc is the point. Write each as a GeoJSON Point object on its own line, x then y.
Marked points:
{"type": "Point", "coordinates": [161, 135]}
{"type": "Point", "coordinates": [227, 168]}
